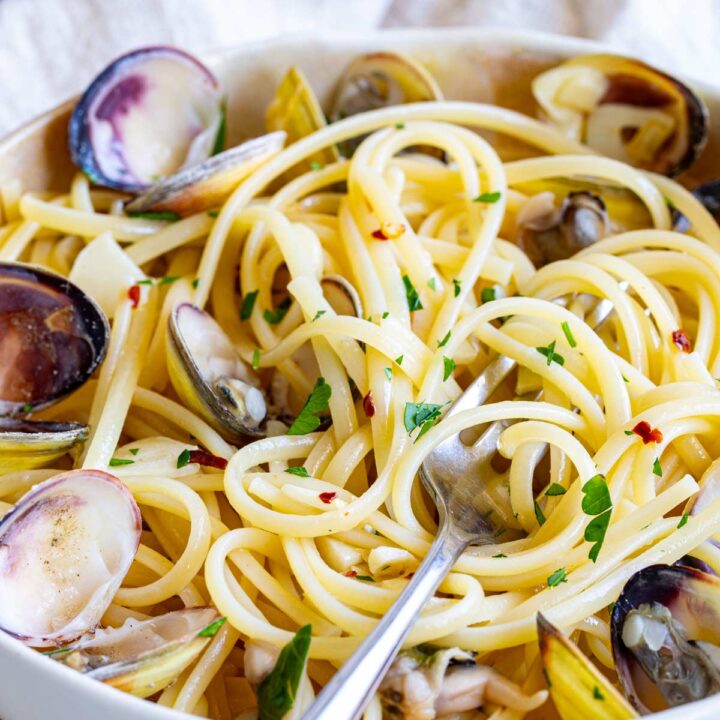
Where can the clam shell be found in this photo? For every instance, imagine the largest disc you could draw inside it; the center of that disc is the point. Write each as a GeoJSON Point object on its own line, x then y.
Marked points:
{"type": "Point", "coordinates": [25, 445]}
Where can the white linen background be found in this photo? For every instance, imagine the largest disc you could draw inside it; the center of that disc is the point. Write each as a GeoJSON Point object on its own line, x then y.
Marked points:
{"type": "Point", "coordinates": [51, 49]}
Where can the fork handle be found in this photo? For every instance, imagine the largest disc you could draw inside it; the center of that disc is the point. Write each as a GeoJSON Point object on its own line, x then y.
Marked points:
{"type": "Point", "coordinates": [352, 687]}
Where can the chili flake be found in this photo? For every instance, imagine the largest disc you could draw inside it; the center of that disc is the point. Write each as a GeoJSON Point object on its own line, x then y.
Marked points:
{"type": "Point", "coordinates": [327, 497]}
{"type": "Point", "coordinates": [647, 433]}
{"type": "Point", "coordinates": [681, 341]}
{"type": "Point", "coordinates": [368, 405]}
{"type": "Point", "coordinates": [389, 231]}
{"type": "Point", "coordinates": [134, 295]}
{"type": "Point", "coordinates": [201, 457]}
{"type": "Point", "coordinates": [350, 573]}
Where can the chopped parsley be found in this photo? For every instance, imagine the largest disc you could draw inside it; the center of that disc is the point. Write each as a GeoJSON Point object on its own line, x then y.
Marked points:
{"type": "Point", "coordinates": [431, 283]}
{"type": "Point", "coordinates": [550, 354]}
{"type": "Point", "coordinates": [384, 315]}
{"type": "Point", "coordinates": [213, 213]}
{"type": "Point", "coordinates": [399, 359]}
{"type": "Point", "coordinates": [597, 502]}
{"type": "Point", "coordinates": [568, 334]}
{"type": "Point", "coordinates": [657, 467]}
{"type": "Point", "coordinates": [413, 299]}
{"type": "Point", "coordinates": [400, 125]}
{"type": "Point", "coordinates": [445, 340]}
{"type": "Point", "coordinates": [365, 578]}
{"type": "Point", "coordinates": [211, 630]}
{"type": "Point", "coordinates": [388, 373]}
{"type": "Point", "coordinates": [275, 316]}
{"type": "Point", "coordinates": [146, 281]}
{"type": "Point", "coordinates": [195, 283]}
{"type": "Point", "coordinates": [489, 197]}
{"type": "Point", "coordinates": [683, 520]}
{"type": "Point", "coordinates": [27, 407]}
{"type": "Point", "coordinates": [421, 415]}
{"type": "Point", "coordinates": [117, 462]}
{"type": "Point", "coordinates": [559, 576]}
{"type": "Point", "coordinates": [319, 314]}
{"type": "Point", "coordinates": [276, 693]}
{"type": "Point", "coordinates": [256, 359]}
{"type": "Point", "coordinates": [307, 420]}
{"type": "Point", "coordinates": [166, 215]}
{"type": "Point", "coordinates": [555, 489]}
{"type": "Point", "coordinates": [248, 304]}
{"type": "Point", "coordinates": [219, 144]}
{"type": "Point", "coordinates": [134, 451]}
{"type": "Point", "coordinates": [449, 366]}
{"type": "Point", "coordinates": [597, 695]}
{"type": "Point", "coordinates": [456, 286]}
{"type": "Point", "coordinates": [499, 555]}
{"type": "Point", "coordinates": [316, 166]}
{"type": "Point", "coordinates": [300, 471]}
{"type": "Point", "coordinates": [168, 279]}
{"type": "Point", "coordinates": [487, 294]}
{"type": "Point", "coordinates": [539, 516]}
{"type": "Point", "coordinates": [183, 458]}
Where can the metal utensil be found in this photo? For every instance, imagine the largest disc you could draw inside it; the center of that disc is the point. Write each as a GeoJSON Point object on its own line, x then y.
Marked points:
{"type": "Point", "coordinates": [451, 475]}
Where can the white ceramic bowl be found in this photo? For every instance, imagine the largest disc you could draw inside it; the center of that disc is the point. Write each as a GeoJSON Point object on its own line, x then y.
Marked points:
{"type": "Point", "coordinates": [469, 64]}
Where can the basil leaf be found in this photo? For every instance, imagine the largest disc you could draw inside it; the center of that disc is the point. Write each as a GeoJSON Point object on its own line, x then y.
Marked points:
{"type": "Point", "coordinates": [276, 693]}
{"type": "Point", "coordinates": [317, 402]}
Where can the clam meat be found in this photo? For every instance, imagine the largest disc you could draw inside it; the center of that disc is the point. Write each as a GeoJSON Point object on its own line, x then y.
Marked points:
{"type": "Point", "coordinates": [65, 547]}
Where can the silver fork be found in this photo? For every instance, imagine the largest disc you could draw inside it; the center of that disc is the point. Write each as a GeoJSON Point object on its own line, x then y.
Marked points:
{"type": "Point", "coordinates": [452, 474]}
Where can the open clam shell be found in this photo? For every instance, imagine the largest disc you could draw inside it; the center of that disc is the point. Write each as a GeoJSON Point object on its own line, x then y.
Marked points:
{"type": "Point", "coordinates": [208, 184]}
{"type": "Point", "coordinates": [342, 295]}
{"type": "Point", "coordinates": [52, 337]}
{"type": "Point", "coordinates": [148, 114]}
{"type": "Point", "coordinates": [625, 109]}
{"type": "Point", "coordinates": [665, 631]}
{"type": "Point", "coordinates": [143, 657]}
{"type": "Point", "coordinates": [25, 445]}
{"type": "Point", "coordinates": [65, 547]}
{"type": "Point", "coordinates": [210, 377]}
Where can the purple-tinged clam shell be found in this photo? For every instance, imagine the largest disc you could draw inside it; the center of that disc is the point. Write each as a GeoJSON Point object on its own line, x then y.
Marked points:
{"type": "Point", "coordinates": [145, 116]}
{"type": "Point", "coordinates": [64, 550]}
{"type": "Point", "coordinates": [143, 657]}
{"type": "Point", "coordinates": [665, 631]}
{"type": "Point", "coordinates": [52, 337]}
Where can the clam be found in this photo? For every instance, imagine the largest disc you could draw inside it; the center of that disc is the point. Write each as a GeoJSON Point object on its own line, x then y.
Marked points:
{"type": "Point", "coordinates": [378, 80]}
{"type": "Point", "coordinates": [341, 295]}
{"type": "Point", "coordinates": [547, 233]}
{"type": "Point", "coordinates": [210, 377]}
{"type": "Point", "coordinates": [143, 657]}
{"type": "Point", "coordinates": [666, 637]}
{"type": "Point", "coordinates": [65, 547]}
{"type": "Point", "coordinates": [426, 682]}
{"type": "Point", "coordinates": [52, 337]}
{"type": "Point", "coordinates": [626, 110]}
{"type": "Point", "coordinates": [709, 195]}
{"type": "Point", "coordinates": [147, 115]}
{"type": "Point", "coordinates": [296, 110]}
{"type": "Point", "coordinates": [25, 445]}
{"type": "Point", "coordinates": [209, 183]}
{"type": "Point", "coordinates": [578, 689]}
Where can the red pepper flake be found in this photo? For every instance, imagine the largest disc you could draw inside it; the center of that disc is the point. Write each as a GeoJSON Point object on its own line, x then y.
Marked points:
{"type": "Point", "coordinates": [350, 573]}
{"type": "Point", "coordinates": [201, 457]}
{"type": "Point", "coordinates": [647, 433]}
{"type": "Point", "coordinates": [682, 341]}
{"type": "Point", "coordinates": [328, 497]}
{"type": "Point", "coordinates": [369, 405]}
{"type": "Point", "coordinates": [134, 295]}
{"type": "Point", "coordinates": [379, 235]}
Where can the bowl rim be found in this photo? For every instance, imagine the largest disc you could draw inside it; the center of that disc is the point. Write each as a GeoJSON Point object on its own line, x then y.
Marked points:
{"type": "Point", "coordinates": [534, 40]}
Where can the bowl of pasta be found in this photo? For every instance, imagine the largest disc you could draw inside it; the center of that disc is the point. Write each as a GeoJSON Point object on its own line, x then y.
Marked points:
{"type": "Point", "coordinates": [237, 296]}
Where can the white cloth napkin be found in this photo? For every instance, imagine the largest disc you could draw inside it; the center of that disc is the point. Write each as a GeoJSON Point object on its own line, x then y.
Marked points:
{"type": "Point", "coordinates": [51, 49]}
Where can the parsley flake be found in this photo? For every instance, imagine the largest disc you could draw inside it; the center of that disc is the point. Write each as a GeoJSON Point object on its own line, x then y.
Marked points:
{"type": "Point", "coordinates": [365, 578]}
{"type": "Point", "coordinates": [300, 471]}
{"type": "Point", "coordinates": [657, 467]}
{"type": "Point", "coordinates": [388, 373]}
{"type": "Point", "coordinates": [457, 287]}
{"type": "Point", "coordinates": [117, 462]}
{"type": "Point", "coordinates": [248, 304]}
{"type": "Point", "coordinates": [499, 555]}
{"type": "Point", "coordinates": [319, 314]}
{"type": "Point", "coordinates": [275, 316]}
{"type": "Point", "coordinates": [487, 294]}
{"type": "Point", "coordinates": [134, 451]}
{"type": "Point", "coordinates": [413, 299]}
{"type": "Point", "coordinates": [683, 520]}
{"type": "Point", "coordinates": [195, 283]}
{"type": "Point", "coordinates": [384, 315]}
{"type": "Point", "coordinates": [539, 516]}
{"type": "Point", "coordinates": [550, 354]}
{"type": "Point", "coordinates": [211, 630]}
{"type": "Point", "coordinates": [168, 279]}
{"type": "Point", "coordinates": [445, 340]}
{"type": "Point", "coordinates": [555, 489]}
{"type": "Point", "coordinates": [431, 283]}
{"type": "Point", "coordinates": [316, 166]}
{"type": "Point", "coordinates": [597, 695]}
{"type": "Point", "coordinates": [559, 576]}
{"type": "Point", "coordinates": [183, 458]}
{"type": "Point", "coordinates": [166, 215]}
{"type": "Point", "coordinates": [449, 366]}
{"type": "Point", "coordinates": [568, 334]}
{"type": "Point", "coordinates": [489, 197]}
{"type": "Point", "coordinates": [256, 359]}
{"type": "Point", "coordinates": [399, 359]}
{"type": "Point", "coordinates": [422, 415]}
{"type": "Point", "coordinates": [307, 420]}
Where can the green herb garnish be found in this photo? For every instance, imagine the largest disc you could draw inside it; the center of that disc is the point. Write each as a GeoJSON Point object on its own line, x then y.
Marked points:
{"type": "Point", "coordinates": [683, 520]}
{"type": "Point", "coordinates": [422, 415]}
{"type": "Point", "coordinates": [275, 316]}
{"type": "Point", "coordinates": [399, 359]}
{"type": "Point", "coordinates": [117, 462]}
{"type": "Point", "coordinates": [219, 144]}
{"type": "Point", "coordinates": [168, 279]}
{"type": "Point", "coordinates": [413, 299]}
{"type": "Point", "coordinates": [539, 516]}
{"type": "Point", "coordinates": [489, 197]}
{"type": "Point", "coordinates": [248, 304]}
{"type": "Point", "coordinates": [365, 578]}
{"type": "Point", "coordinates": [318, 315]}
{"type": "Point", "coordinates": [456, 286]}
{"type": "Point", "coordinates": [657, 468]}
{"type": "Point", "coordinates": [256, 359]}
{"type": "Point", "coordinates": [300, 471]}
{"type": "Point", "coordinates": [317, 402]}
{"type": "Point", "coordinates": [316, 166]}
{"type": "Point", "coordinates": [555, 489]}
{"type": "Point", "coordinates": [276, 693]}
{"type": "Point", "coordinates": [559, 576]}
{"type": "Point", "coordinates": [134, 451]}
{"type": "Point", "coordinates": [431, 283]}
{"type": "Point", "coordinates": [597, 496]}
{"type": "Point", "coordinates": [388, 373]}
{"type": "Point", "coordinates": [568, 334]}
{"type": "Point", "coordinates": [487, 294]}
{"type": "Point", "coordinates": [445, 340]}
{"type": "Point", "coordinates": [166, 215]}
{"type": "Point", "coordinates": [597, 695]}
{"type": "Point", "coordinates": [550, 354]}
{"type": "Point", "coordinates": [211, 630]}
{"type": "Point", "coordinates": [183, 459]}
{"type": "Point", "coordinates": [449, 366]}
